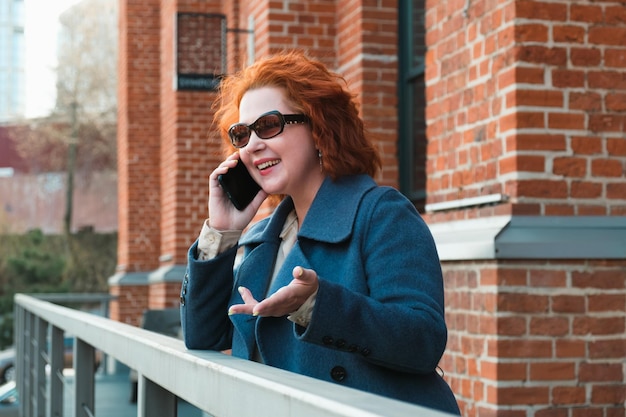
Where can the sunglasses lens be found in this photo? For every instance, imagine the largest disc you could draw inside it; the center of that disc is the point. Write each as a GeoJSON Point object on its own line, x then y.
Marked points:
{"type": "Point", "coordinates": [239, 135]}
{"type": "Point", "coordinates": [268, 126]}
{"type": "Point", "coordinates": [265, 127]}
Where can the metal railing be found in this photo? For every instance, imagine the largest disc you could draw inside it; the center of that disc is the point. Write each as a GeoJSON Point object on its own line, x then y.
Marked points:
{"type": "Point", "coordinates": [216, 383]}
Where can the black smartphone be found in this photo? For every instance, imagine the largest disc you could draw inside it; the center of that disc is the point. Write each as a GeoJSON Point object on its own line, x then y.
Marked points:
{"type": "Point", "coordinates": [239, 186]}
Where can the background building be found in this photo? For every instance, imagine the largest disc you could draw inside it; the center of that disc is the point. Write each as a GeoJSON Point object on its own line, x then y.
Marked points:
{"type": "Point", "coordinates": [33, 189]}
{"type": "Point", "coordinates": [12, 59]}
{"type": "Point", "coordinates": [36, 154]}
{"type": "Point", "coordinates": [504, 121]}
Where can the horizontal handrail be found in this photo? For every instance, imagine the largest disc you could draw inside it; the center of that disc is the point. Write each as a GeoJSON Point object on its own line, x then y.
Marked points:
{"type": "Point", "coordinates": [218, 384]}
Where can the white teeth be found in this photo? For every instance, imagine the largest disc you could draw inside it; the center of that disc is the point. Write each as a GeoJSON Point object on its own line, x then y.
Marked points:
{"type": "Point", "coordinates": [267, 164]}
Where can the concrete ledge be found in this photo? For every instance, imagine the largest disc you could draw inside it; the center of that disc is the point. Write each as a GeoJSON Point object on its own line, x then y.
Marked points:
{"type": "Point", "coordinates": [532, 237]}
{"type": "Point", "coordinates": [468, 239]}
{"type": "Point", "coordinates": [169, 273]}
{"type": "Point", "coordinates": [129, 278]}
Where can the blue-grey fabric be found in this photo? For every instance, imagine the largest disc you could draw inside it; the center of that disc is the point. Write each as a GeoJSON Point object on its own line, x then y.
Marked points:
{"type": "Point", "coordinates": [378, 321]}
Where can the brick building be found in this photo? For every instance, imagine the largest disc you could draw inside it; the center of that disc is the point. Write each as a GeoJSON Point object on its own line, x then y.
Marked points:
{"type": "Point", "coordinates": [33, 189]}
{"type": "Point", "coordinates": [503, 120]}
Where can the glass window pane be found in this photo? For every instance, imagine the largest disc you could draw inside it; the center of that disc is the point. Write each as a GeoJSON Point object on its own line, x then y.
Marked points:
{"type": "Point", "coordinates": [418, 34]}
{"type": "Point", "coordinates": [412, 142]}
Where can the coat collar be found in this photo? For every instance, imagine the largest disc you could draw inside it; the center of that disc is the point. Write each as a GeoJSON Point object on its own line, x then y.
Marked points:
{"type": "Point", "coordinates": [330, 218]}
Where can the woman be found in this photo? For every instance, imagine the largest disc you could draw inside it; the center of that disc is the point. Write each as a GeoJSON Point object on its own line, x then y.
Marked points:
{"type": "Point", "coordinates": [342, 282]}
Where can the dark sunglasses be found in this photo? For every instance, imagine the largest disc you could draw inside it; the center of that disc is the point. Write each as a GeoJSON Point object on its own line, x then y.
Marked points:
{"type": "Point", "coordinates": [267, 126]}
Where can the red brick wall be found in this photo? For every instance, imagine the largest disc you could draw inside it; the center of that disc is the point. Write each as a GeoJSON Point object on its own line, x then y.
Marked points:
{"type": "Point", "coordinates": [580, 103]}
{"type": "Point", "coordinates": [130, 303]}
{"type": "Point", "coordinates": [378, 36]}
{"type": "Point", "coordinates": [187, 156]}
{"type": "Point", "coordinates": [523, 100]}
{"type": "Point", "coordinates": [465, 59]}
{"type": "Point", "coordinates": [132, 300]}
{"type": "Point", "coordinates": [139, 130]}
{"type": "Point", "coordinates": [527, 98]}
{"type": "Point", "coordinates": [164, 295]}
{"type": "Point", "coordinates": [546, 335]}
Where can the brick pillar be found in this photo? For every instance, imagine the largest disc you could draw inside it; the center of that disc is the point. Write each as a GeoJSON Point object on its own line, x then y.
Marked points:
{"type": "Point", "coordinates": [526, 199]}
{"type": "Point", "coordinates": [187, 155]}
{"type": "Point", "coordinates": [131, 301]}
{"type": "Point", "coordinates": [165, 294]}
{"type": "Point", "coordinates": [367, 52]}
{"type": "Point", "coordinates": [139, 130]}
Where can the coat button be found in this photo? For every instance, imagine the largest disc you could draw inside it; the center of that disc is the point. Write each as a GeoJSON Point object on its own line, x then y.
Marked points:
{"type": "Point", "coordinates": [353, 348]}
{"type": "Point", "coordinates": [182, 300]}
{"type": "Point", "coordinates": [366, 352]}
{"type": "Point", "coordinates": [327, 340]}
{"type": "Point", "coordinates": [338, 373]}
{"type": "Point", "coordinates": [340, 343]}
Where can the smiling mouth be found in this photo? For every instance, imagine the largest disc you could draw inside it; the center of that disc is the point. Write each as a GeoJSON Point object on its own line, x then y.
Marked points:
{"type": "Point", "coordinates": [267, 164]}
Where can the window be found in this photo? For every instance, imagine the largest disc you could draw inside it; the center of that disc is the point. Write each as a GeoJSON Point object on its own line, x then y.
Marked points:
{"type": "Point", "coordinates": [200, 51]}
{"type": "Point", "coordinates": [412, 101]}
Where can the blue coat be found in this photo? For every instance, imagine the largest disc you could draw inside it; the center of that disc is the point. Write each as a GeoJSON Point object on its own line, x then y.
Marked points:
{"type": "Point", "coordinates": [378, 322]}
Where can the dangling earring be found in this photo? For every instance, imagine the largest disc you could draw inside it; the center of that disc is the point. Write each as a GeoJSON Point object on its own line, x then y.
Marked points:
{"type": "Point", "coordinates": [319, 156]}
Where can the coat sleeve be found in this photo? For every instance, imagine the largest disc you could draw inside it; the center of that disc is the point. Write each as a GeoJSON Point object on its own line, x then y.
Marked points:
{"type": "Point", "coordinates": [399, 323]}
{"type": "Point", "coordinates": [205, 293]}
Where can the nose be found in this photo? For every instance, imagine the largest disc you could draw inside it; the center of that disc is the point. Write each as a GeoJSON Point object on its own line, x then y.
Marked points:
{"type": "Point", "coordinates": [254, 143]}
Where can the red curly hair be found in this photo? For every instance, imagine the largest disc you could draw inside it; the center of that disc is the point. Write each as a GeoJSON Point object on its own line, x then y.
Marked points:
{"type": "Point", "coordinates": [313, 90]}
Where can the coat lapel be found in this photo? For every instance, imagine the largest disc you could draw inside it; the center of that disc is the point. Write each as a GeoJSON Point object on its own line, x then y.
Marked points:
{"type": "Point", "coordinates": [255, 273]}
{"type": "Point", "coordinates": [341, 196]}
{"type": "Point", "coordinates": [263, 241]}
{"type": "Point", "coordinates": [284, 275]}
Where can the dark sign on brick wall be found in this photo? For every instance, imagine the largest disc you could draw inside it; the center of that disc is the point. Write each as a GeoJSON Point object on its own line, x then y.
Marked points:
{"type": "Point", "coordinates": [200, 51]}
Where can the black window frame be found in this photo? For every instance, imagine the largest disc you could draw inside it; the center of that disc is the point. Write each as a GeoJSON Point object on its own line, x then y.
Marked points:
{"type": "Point", "coordinates": [411, 70]}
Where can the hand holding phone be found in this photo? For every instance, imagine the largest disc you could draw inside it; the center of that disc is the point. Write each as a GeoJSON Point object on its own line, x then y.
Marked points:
{"type": "Point", "coordinates": [239, 186]}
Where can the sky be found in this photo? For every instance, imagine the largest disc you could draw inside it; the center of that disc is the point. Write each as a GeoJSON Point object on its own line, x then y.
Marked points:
{"type": "Point", "coordinates": [41, 23]}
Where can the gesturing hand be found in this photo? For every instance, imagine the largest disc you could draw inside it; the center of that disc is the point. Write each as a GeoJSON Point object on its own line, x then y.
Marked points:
{"type": "Point", "coordinates": [284, 301]}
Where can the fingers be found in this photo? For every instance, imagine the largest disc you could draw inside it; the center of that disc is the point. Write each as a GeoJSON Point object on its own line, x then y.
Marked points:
{"type": "Point", "coordinates": [246, 295]}
{"type": "Point", "coordinates": [248, 299]}
{"type": "Point", "coordinates": [290, 297]}
{"type": "Point", "coordinates": [221, 211]}
{"type": "Point", "coordinates": [306, 278]}
{"type": "Point", "coordinates": [223, 168]}
{"type": "Point", "coordinates": [304, 275]}
{"type": "Point", "coordinates": [258, 200]}
{"type": "Point", "coordinates": [284, 301]}
{"type": "Point", "coordinates": [298, 272]}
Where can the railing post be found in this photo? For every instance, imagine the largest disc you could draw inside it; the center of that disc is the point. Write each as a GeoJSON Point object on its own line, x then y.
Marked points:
{"type": "Point", "coordinates": [154, 400]}
{"type": "Point", "coordinates": [20, 330]}
{"type": "Point", "coordinates": [84, 384]}
{"type": "Point", "coordinates": [39, 368]}
{"type": "Point", "coordinates": [29, 354]}
{"type": "Point", "coordinates": [55, 388]}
